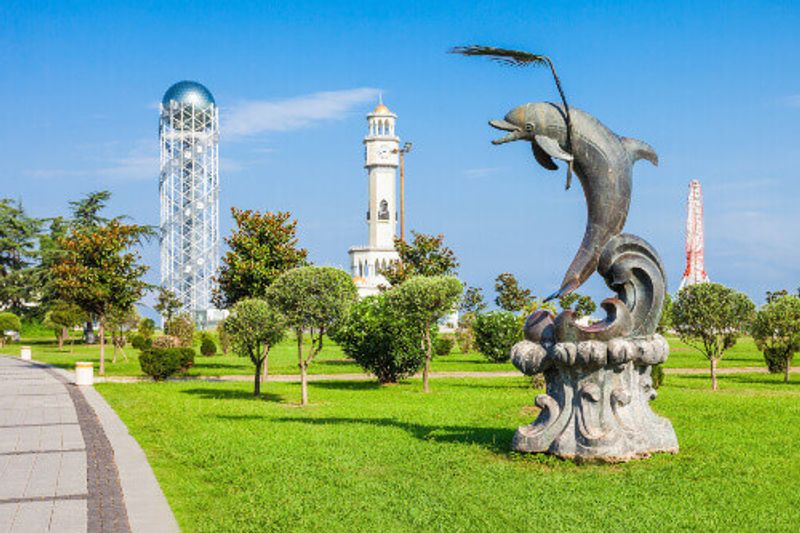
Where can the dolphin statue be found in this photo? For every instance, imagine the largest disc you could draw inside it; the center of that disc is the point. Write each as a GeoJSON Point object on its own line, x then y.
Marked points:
{"type": "Point", "coordinates": [603, 162]}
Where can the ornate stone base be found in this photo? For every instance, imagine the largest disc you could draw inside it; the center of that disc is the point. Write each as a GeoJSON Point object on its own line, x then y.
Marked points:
{"type": "Point", "coordinates": [597, 402]}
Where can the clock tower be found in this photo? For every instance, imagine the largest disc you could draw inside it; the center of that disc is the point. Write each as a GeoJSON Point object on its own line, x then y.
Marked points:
{"type": "Point", "coordinates": [381, 161]}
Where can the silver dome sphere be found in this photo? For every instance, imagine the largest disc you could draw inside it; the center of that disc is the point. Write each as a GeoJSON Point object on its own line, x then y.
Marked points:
{"type": "Point", "coordinates": [189, 92]}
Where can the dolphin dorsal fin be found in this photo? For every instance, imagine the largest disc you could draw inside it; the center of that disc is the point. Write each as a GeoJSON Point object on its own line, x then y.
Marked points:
{"type": "Point", "coordinates": [551, 147]}
{"type": "Point", "coordinates": [542, 157]}
{"type": "Point", "coordinates": [639, 150]}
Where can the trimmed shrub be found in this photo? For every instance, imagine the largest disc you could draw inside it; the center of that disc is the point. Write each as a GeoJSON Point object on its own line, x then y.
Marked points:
{"type": "Point", "coordinates": [383, 344]}
{"type": "Point", "coordinates": [162, 363]}
{"type": "Point", "coordinates": [443, 345]}
{"type": "Point", "coordinates": [146, 328]}
{"type": "Point", "coordinates": [657, 375]}
{"type": "Point", "coordinates": [181, 327]}
{"type": "Point", "coordinates": [140, 342]}
{"type": "Point", "coordinates": [207, 345]}
{"type": "Point", "coordinates": [165, 341]}
{"type": "Point", "coordinates": [776, 360]}
{"type": "Point", "coordinates": [8, 322]}
{"type": "Point", "coordinates": [495, 333]}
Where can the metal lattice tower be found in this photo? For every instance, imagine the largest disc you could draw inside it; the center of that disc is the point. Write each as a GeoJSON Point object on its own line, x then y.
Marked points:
{"type": "Point", "coordinates": [189, 190]}
{"type": "Point", "coordinates": [695, 271]}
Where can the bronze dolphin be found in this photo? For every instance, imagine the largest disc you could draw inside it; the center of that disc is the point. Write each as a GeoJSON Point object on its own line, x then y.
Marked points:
{"type": "Point", "coordinates": [603, 162]}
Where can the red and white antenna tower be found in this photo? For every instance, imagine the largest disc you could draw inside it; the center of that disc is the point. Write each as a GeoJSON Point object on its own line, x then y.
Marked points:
{"type": "Point", "coordinates": [695, 271]}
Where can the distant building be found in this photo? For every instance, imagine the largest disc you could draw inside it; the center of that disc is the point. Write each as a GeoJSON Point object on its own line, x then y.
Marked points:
{"type": "Point", "coordinates": [381, 161]}
{"type": "Point", "coordinates": [695, 270]}
{"type": "Point", "coordinates": [189, 190]}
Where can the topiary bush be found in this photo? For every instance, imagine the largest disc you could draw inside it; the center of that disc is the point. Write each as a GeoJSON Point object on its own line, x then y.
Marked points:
{"type": "Point", "coordinates": [162, 363]}
{"type": "Point", "coordinates": [140, 342]}
{"type": "Point", "coordinates": [443, 345]}
{"type": "Point", "coordinates": [182, 328]}
{"type": "Point", "coordinates": [495, 333]}
{"type": "Point", "coordinates": [382, 343]}
{"type": "Point", "coordinates": [207, 345]}
{"type": "Point", "coordinates": [657, 375]}
{"type": "Point", "coordinates": [8, 322]}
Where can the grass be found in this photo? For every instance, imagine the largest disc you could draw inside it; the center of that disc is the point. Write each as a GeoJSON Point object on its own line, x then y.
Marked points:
{"type": "Point", "coordinates": [364, 457]}
{"type": "Point", "coordinates": [283, 359]}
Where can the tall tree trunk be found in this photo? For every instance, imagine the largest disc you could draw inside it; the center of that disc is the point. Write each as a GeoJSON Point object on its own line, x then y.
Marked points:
{"type": "Point", "coordinates": [265, 365]}
{"type": "Point", "coordinates": [302, 366]}
{"type": "Point", "coordinates": [713, 374]}
{"type": "Point", "coordinates": [257, 380]}
{"type": "Point", "coordinates": [426, 372]}
{"type": "Point", "coordinates": [102, 330]}
{"type": "Point", "coordinates": [786, 370]}
{"type": "Point", "coordinates": [61, 338]}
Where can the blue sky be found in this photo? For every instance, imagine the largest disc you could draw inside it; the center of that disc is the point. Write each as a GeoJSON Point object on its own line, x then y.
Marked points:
{"type": "Point", "coordinates": [713, 86]}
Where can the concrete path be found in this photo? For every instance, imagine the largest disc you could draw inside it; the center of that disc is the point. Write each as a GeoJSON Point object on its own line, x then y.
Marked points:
{"type": "Point", "coordinates": [293, 378]}
{"type": "Point", "coordinates": [59, 470]}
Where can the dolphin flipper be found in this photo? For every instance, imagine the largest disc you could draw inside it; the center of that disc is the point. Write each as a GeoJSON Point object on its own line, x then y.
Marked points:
{"type": "Point", "coordinates": [542, 157]}
{"type": "Point", "coordinates": [639, 150]}
{"type": "Point", "coordinates": [551, 147]}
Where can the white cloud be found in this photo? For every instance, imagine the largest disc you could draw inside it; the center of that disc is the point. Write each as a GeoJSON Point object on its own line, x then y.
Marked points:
{"type": "Point", "coordinates": [482, 172]}
{"type": "Point", "coordinates": [254, 117]}
{"type": "Point", "coordinates": [141, 162]}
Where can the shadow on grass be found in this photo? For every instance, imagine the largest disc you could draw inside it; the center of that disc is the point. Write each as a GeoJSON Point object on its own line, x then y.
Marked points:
{"type": "Point", "coordinates": [203, 364]}
{"type": "Point", "coordinates": [232, 394]}
{"type": "Point", "coordinates": [497, 440]}
{"type": "Point", "coordinates": [348, 385]}
{"type": "Point", "coordinates": [775, 380]}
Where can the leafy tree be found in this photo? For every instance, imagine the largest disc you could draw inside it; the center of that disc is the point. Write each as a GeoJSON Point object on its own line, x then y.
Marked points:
{"type": "Point", "coordinates": [182, 328]}
{"type": "Point", "coordinates": [254, 326]}
{"type": "Point", "coordinates": [580, 304]}
{"type": "Point", "coordinates": [120, 322]}
{"type": "Point", "coordinates": [167, 304]}
{"type": "Point", "coordinates": [472, 301]}
{"type": "Point", "coordinates": [316, 300]}
{"type": "Point", "coordinates": [495, 333]}
{"type": "Point", "coordinates": [18, 233]}
{"type": "Point", "coordinates": [510, 296]}
{"type": "Point", "coordinates": [262, 247]}
{"type": "Point", "coordinates": [146, 328]}
{"type": "Point", "coordinates": [709, 317]}
{"type": "Point", "coordinates": [426, 255]}
{"type": "Point", "coordinates": [665, 322]}
{"type": "Point", "coordinates": [60, 318]}
{"type": "Point", "coordinates": [382, 343]}
{"type": "Point", "coordinates": [207, 345]}
{"type": "Point", "coordinates": [775, 295]}
{"type": "Point", "coordinates": [8, 322]}
{"type": "Point", "coordinates": [86, 211]}
{"type": "Point", "coordinates": [99, 272]}
{"type": "Point", "coordinates": [776, 330]}
{"type": "Point", "coordinates": [50, 252]}
{"type": "Point", "coordinates": [224, 338]}
{"type": "Point", "coordinates": [423, 301]}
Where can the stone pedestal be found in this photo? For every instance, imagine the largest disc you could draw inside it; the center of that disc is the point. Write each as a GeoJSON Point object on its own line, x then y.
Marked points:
{"type": "Point", "coordinates": [25, 353]}
{"type": "Point", "coordinates": [597, 405]}
{"type": "Point", "coordinates": [84, 373]}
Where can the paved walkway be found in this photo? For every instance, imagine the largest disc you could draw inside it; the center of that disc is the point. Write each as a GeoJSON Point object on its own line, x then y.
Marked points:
{"type": "Point", "coordinates": [293, 378]}
{"type": "Point", "coordinates": [58, 468]}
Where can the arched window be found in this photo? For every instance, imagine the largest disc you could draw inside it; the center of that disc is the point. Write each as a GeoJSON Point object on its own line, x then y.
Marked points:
{"type": "Point", "coordinates": [383, 210]}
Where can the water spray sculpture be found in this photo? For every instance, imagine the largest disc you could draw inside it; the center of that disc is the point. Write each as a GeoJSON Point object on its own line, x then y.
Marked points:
{"type": "Point", "coordinates": [598, 377]}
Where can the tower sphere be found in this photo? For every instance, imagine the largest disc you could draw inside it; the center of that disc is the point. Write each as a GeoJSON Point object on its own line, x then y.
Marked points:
{"type": "Point", "coordinates": [189, 92]}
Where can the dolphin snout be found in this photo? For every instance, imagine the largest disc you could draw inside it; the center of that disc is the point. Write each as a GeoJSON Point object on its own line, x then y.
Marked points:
{"type": "Point", "coordinates": [516, 131]}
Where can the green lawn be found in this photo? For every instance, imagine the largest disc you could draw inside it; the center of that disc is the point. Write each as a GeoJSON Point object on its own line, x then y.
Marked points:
{"type": "Point", "coordinates": [283, 359]}
{"type": "Point", "coordinates": [364, 457]}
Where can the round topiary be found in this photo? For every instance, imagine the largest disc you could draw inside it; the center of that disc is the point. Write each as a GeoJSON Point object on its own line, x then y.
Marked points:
{"type": "Point", "coordinates": [207, 346]}
{"type": "Point", "coordinates": [382, 344]}
{"type": "Point", "coordinates": [160, 363]}
{"type": "Point", "coordinates": [443, 345]}
{"type": "Point", "coordinates": [495, 333]}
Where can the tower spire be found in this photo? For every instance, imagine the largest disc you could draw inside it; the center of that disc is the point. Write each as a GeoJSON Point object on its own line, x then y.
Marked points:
{"type": "Point", "coordinates": [695, 271]}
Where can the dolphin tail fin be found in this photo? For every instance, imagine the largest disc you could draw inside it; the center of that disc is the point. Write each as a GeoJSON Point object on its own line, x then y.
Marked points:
{"type": "Point", "coordinates": [639, 150]}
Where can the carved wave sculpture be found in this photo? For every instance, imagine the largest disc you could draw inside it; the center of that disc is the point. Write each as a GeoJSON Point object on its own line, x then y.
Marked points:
{"type": "Point", "coordinates": [599, 385]}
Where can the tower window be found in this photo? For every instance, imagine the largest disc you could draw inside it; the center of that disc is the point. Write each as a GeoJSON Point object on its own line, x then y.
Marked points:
{"type": "Point", "coordinates": [383, 212]}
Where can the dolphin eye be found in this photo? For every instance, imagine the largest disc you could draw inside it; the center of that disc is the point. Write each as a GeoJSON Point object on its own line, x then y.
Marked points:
{"type": "Point", "coordinates": [528, 127]}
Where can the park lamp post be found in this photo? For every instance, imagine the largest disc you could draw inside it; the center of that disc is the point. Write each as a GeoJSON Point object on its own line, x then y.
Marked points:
{"type": "Point", "coordinates": [402, 152]}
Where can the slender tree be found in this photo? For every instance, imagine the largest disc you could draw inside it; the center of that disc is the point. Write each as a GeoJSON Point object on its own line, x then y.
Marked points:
{"type": "Point", "coordinates": [472, 301]}
{"type": "Point", "coordinates": [254, 326]}
{"type": "Point", "coordinates": [18, 256]}
{"type": "Point", "coordinates": [510, 296]}
{"type": "Point", "coordinates": [167, 304]}
{"type": "Point", "coordinates": [60, 318]}
{"type": "Point", "coordinates": [710, 317]}
{"type": "Point", "coordinates": [99, 272]}
{"type": "Point", "coordinates": [262, 247]}
{"type": "Point", "coordinates": [776, 330]}
{"type": "Point", "coordinates": [425, 255]}
{"type": "Point", "coordinates": [423, 301]}
{"type": "Point", "coordinates": [314, 300]}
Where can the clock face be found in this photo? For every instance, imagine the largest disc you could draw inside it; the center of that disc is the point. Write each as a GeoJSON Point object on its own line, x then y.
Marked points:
{"type": "Point", "coordinates": [383, 153]}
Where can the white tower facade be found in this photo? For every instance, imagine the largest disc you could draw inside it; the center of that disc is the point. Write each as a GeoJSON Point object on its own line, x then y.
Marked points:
{"type": "Point", "coordinates": [189, 190]}
{"type": "Point", "coordinates": [695, 271]}
{"type": "Point", "coordinates": [382, 159]}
